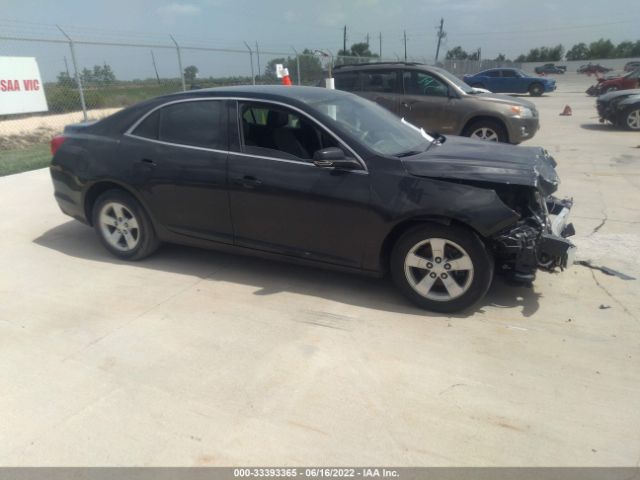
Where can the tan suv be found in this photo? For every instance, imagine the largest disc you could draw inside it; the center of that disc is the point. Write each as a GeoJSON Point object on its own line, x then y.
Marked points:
{"type": "Point", "coordinates": [436, 100]}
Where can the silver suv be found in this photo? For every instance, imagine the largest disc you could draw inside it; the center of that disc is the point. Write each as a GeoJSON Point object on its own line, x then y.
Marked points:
{"type": "Point", "coordinates": [436, 100]}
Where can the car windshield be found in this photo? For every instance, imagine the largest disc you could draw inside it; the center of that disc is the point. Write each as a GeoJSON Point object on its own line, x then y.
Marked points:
{"type": "Point", "coordinates": [374, 126]}
{"type": "Point", "coordinates": [456, 81]}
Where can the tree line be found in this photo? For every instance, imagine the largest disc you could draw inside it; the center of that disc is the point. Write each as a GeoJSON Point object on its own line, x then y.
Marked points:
{"type": "Point", "coordinates": [600, 49]}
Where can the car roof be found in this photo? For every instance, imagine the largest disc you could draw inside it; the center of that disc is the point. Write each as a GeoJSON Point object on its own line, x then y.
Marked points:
{"type": "Point", "coordinates": [271, 92]}
{"type": "Point", "coordinates": [376, 65]}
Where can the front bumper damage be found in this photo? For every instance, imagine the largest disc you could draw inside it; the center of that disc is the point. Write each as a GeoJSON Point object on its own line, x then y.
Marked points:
{"type": "Point", "coordinates": [537, 242]}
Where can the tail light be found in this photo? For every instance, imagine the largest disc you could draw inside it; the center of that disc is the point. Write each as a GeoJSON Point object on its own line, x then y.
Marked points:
{"type": "Point", "coordinates": [56, 142]}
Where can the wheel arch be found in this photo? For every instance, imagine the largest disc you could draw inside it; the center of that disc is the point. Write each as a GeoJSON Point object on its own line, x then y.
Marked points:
{"type": "Point", "coordinates": [399, 229]}
{"type": "Point", "coordinates": [101, 186]}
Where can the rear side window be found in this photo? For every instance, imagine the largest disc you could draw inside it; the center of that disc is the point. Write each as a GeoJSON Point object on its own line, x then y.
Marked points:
{"type": "Point", "coordinates": [149, 127]}
{"type": "Point", "coordinates": [492, 73]}
{"type": "Point", "coordinates": [383, 81]}
{"type": "Point", "coordinates": [509, 74]}
{"type": "Point", "coordinates": [348, 82]}
{"type": "Point", "coordinates": [197, 123]}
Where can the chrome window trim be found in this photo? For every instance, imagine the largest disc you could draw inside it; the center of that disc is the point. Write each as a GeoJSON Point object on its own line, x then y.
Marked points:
{"type": "Point", "coordinates": [129, 132]}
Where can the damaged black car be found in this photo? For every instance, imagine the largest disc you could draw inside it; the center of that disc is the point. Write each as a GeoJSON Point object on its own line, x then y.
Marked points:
{"type": "Point", "coordinates": [316, 177]}
{"type": "Point", "coordinates": [621, 108]}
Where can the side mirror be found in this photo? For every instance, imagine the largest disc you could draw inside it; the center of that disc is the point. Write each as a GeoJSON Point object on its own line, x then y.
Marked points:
{"type": "Point", "coordinates": [333, 157]}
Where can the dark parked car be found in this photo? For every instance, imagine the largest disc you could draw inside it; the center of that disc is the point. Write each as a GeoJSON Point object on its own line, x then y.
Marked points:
{"type": "Point", "coordinates": [631, 66]}
{"type": "Point", "coordinates": [627, 81]}
{"type": "Point", "coordinates": [436, 100]}
{"type": "Point", "coordinates": [550, 68]}
{"type": "Point", "coordinates": [591, 69]}
{"type": "Point", "coordinates": [319, 177]}
{"type": "Point", "coordinates": [621, 108]}
{"type": "Point", "coordinates": [510, 80]}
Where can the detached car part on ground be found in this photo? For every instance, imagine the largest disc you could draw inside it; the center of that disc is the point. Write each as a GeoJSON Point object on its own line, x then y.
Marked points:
{"type": "Point", "coordinates": [510, 80]}
{"type": "Point", "coordinates": [627, 81]}
{"type": "Point", "coordinates": [436, 100]}
{"type": "Point", "coordinates": [317, 177]}
{"type": "Point", "coordinates": [621, 108]}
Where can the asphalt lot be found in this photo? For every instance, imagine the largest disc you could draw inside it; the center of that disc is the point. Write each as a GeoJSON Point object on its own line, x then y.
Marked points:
{"type": "Point", "coordinates": [198, 358]}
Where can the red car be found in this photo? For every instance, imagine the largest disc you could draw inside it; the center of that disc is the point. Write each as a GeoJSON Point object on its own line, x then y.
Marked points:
{"type": "Point", "coordinates": [625, 82]}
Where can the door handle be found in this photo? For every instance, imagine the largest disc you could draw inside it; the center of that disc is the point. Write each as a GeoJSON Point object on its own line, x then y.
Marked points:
{"type": "Point", "coordinates": [406, 105]}
{"type": "Point", "coordinates": [248, 181]}
{"type": "Point", "coordinates": [148, 161]}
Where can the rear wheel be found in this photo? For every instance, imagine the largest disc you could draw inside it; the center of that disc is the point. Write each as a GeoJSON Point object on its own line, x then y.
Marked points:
{"type": "Point", "coordinates": [536, 90]}
{"type": "Point", "coordinates": [631, 118]}
{"type": "Point", "coordinates": [487, 129]}
{"type": "Point", "coordinates": [441, 268]}
{"type": "Point", "coordinates": [122, 225]}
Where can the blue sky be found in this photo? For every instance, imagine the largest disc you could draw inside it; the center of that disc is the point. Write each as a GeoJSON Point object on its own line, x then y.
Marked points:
{"type": "Point", "coordinates": [497, 26]}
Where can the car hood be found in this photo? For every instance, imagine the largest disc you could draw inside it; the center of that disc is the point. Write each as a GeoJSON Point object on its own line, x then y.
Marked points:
{"type": "Point", "coordinates": [461, 158]}
{"type": "Point", "coordinates": [504, 99]}
{"type": "Point", "coordinates": [607, 97]}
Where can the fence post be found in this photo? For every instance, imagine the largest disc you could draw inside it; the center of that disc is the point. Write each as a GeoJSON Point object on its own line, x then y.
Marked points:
{"type": "Point", "coordinates": [299, 74]}
{"type": "Point", "coordinates": [253, 77]}
{"type": "Point", "coordinates": [184, 85]}
{"type": "Point", "coordinates": [77, 74]}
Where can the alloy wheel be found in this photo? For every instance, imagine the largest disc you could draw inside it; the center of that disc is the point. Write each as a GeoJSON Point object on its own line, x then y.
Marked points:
{"type": "Point", "coordinates": [119, 226]}
{"type": "Point", "coordinates": [485, 133]}
{"type": "Point", "coordinates": [633, 119]}
{"type": "Point", "coordinates": [438, 269]}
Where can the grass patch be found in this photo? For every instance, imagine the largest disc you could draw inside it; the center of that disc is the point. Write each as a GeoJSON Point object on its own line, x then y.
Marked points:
{"type": "Point", "coordinates": [24, 159]}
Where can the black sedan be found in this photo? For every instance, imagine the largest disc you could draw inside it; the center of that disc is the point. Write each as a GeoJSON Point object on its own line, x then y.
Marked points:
{"type": "Point", "coordinates": [319, 177]}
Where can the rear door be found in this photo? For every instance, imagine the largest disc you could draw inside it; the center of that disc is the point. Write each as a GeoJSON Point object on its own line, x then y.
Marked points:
{"type": "Point", "coordinates": [382, 86]}
{"type": "Point", "coordinates": [178, 155]}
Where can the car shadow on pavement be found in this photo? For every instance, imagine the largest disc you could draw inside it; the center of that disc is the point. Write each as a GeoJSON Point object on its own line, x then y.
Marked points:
{"type": "Point", "coordinates": [77, 240]}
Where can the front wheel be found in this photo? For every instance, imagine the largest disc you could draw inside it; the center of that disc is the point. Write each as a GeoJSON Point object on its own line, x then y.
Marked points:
{"type": "Point", "coordinates": [442, 268]}
{"type": "Point", "coordinates": [631, 118]}
{"type": "Point", "coordinates": [536, 90]}
{"type": "Point", "coordinates": [122, 225]}
{"type": "Point", "coordinates": [487, 129]}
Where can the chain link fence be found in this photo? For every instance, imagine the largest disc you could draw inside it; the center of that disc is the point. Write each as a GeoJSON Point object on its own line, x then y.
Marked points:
{"type": "Point", "coordinates": [86, 79]}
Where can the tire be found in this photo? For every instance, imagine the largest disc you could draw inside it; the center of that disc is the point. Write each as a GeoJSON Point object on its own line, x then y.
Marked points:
{"type": "Point", "coordinates": [536, 89]}
{"type": "Point", "coordinates": [630, 119]}
{"type": "Point", "coordinates": [439, 294]}
{"type": "Point", "coordinates": [487, 130]}
{"type": "Point", "coordinates": [123, 226]}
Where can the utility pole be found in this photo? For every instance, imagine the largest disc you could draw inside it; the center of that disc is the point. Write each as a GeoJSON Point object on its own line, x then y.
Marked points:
{"type": "Point", "coordinates": [66, 66]}
{"type": "Point", "coordinates": [184, 85]}
{"type": "Point", "coordinates": [380, 48]}
{"type": "Point", "coordinates": [253, 77]}
{"type": "Point", "coordinates": [153, 60]}
{"type": "Point", "coordinates": [83, 105]}
{"type": "Point", "coordinates": [258, 58]}
{"type": "Point", "coordinates": [367, 39]}
{"type": "Point", "coordinates": [441, 35]}
{"type": "Point", "coordinates": [405, 45]}
{"type": "Point", "coordinates": [344, 40]}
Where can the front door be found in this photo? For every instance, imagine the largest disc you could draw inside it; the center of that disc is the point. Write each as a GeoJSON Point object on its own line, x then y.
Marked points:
{"type": "Point", "coordinates": [281, 202]}
{"type": "Point", "coordinates": [426, 102]}
{"type": "Point", "coordinates": [178, 156]}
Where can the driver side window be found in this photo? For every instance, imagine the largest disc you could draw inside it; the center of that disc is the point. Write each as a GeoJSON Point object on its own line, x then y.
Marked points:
{"type": "Point", "coordinates": [422, 83]}
{"type": "Point", "coordinates": [274, 131]}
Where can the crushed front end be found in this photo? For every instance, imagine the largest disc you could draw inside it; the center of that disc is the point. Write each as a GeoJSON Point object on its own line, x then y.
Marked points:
{"type": "Point", "coordinates": [539, 240]}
